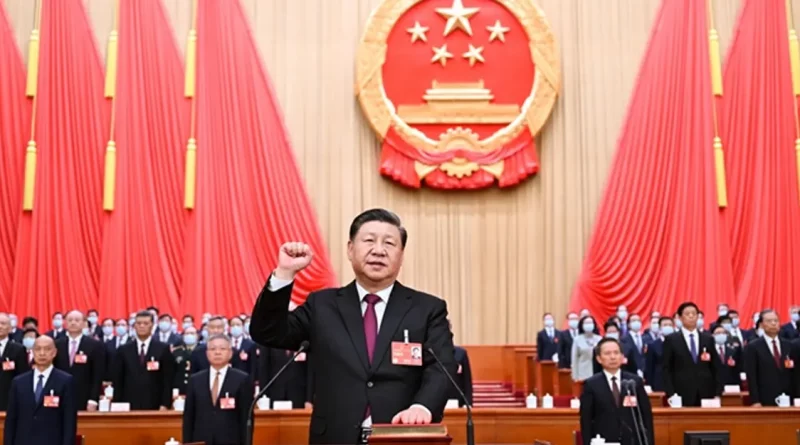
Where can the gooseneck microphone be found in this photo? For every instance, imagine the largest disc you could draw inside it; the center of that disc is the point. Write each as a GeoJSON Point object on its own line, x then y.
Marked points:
{"type": "Point", "coordinates": [470, 425]}
{"type": "Point", "coordinates": [638, 422]}
{"type": "Point", "coordinates": [251, 412]}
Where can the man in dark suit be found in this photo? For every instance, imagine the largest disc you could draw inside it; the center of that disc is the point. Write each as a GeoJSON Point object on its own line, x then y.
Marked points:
{"type": "Point", "coordinates": [628, 360]}
{"type": "Point", "coordinates": [608, 408]}
{"type": "Point", "coordinates": [164, 333]}
{"type": "Point", "coordinates": [654, 359]}
{"type": "Point", "coordinates": [690, 361]}
{"type": "Point", "coordinates": [143, 369]}
{"type": "Point", "coordinates": [634, 341]}
{"type": "Point", "coordinates": [199, 359]}
{"type": "Point", "coordinates": [565, 345]}
{"type": "Point", "coordinates": [14, 359]}
{"type": "Point", "coordinates": [463, 377]}
{"type": "Point", "coordinates": [362, 335]}
{"type": "Point", "coordinates": [218, 399]}
{"type": "Point", "coordinates": [15, 334]}
{"type": "Point", "coordinates": [790, 331]}
{"type": "Point", "coordinates": [770, 364]}
{"type": "Point", "coordinates": [729, 352]}
{"type": "Point", "coordinates": [547, 339]}
{"type": "Point", "coordinates": [58, 327]}
{"type": "Point", "coordinates": [84, 359]}
{"type": "Point", "coordinates": [245, 350]}
{"type": "Point", "coordinates": [293, 384]}
{"type": "Point", "coordinates": [41, 408]}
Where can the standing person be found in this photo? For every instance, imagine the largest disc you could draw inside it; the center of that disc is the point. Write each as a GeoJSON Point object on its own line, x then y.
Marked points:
{"type": "Point", "coordinates": [13, 357]}
{"type": "Point", "coordinates": [41, 408]}
{"type": "Point", "coordinates": [769, 362]}
{"type": "Point", "coordinates": [356, 331]}
{"type": "Point", "coordinates": [84, 359]}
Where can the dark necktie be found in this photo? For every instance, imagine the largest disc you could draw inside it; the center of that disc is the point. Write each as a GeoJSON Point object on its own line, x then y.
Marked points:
{"type": "Point", "coordinates": [142, 354]}
{"type": "Point", "coordinates": [775, 354]}
{"type": "Point", "coordinates": [615, 389]}
{"type": "Point", "coordinates": [722, 354]}
{"type": "Point", "coordinates": [37, 393]}
{"type": "Point", "coordinates": [692, 348]}
{"type": "Point", "coordinates": [370, 330]}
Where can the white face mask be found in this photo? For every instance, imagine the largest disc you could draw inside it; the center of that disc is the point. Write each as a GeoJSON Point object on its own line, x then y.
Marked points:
{"type": "Point", "coordinates": [548, 322]}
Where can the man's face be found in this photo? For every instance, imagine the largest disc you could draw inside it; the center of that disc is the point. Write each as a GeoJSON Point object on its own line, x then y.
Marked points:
{"type": "Point", "coordinates": [44, 351]}
{"type": "Point", "coordinates": [610, 356]}
{"type": "Point", "coordinates": [108, 324]}
{"type": "Point", "coordinates": [219, 352]}
{"type": "Point", "coordinates": [376, 252]}
{"type": "Point", "coordinates": [5, 326]}
{"type": "Point", "coordinates": [144, 326]}
{"type": "Point", "coordinates": [215, 327]}
{"type": "Point", "coordinates": [689, 317]}
{"type": "Point", "coordinates": [75, 322]}
{"type": "Point", "coordinates": [771, 324]}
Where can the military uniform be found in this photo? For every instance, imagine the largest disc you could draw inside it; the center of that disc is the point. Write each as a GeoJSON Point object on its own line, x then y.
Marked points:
{"type": "Point", "coordinates": [183, 368]}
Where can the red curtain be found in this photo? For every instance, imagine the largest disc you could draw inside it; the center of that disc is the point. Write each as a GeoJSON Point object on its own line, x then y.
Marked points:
{"type": "Point", "coordinates": [250, 195]}
{"type": "Point", "coordinates": [58, 247]}
{"type": "Point", "coordinates": [15, 115]}
{"type": "Point", "coordinates": [758, 125]}
{"type": "Point", "coordinates": [659, 237]}
{"type": "Point", "coordinates": [144, 234]}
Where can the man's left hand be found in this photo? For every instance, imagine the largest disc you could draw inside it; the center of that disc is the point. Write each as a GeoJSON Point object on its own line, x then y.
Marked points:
{"type": "Point", "coordinates": [414, 415]}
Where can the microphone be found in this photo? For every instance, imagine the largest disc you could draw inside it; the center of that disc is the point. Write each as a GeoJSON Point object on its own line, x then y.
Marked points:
{"type": "Point", "coordinates": [641, 431]}
{"type": "Point", "coordinates": [470, 425]}
{"type": "Point", "coordinates": [251, 412]}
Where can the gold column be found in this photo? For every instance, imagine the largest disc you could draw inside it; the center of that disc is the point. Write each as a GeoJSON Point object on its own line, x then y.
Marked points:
{"type": "Point", "coordinates": [31, 87]}
{"type": "Point", "coordinates": [716, 89]}
{"type": "Point", "coordinates": [110, 174]}
{"type": "Point", "coordinates": [794, 58]}
{"type": "Point", "coordinates": [189, 91]}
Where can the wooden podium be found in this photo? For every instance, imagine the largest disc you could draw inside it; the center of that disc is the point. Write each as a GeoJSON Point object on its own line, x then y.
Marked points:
{"type": "Point", "coordinates": [409, 434]}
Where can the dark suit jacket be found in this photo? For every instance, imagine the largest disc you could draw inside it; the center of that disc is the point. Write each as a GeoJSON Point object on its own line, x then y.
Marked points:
{"type": "Point", "coordinates": [463, 377]}
{"type": "Point", "coordinates": [654, 363]}
{"type": "Point", "coordinates": [204, 422]}
{"type": "Point", "coordinates": [199, 359]}
{"type": "Point", "coordinates": [31, 423]}
{"type": "Point", "coordinates": [87, 377]}
{"type": "Point", "coordinates": [547, 347]}
{"type": "Point", "coordinates": [345, 382]}
{"type": "Point", "coordinates": [52, 333]}
{"type": "Point", "coordinates": [173, 340]}
{"type": "Point", "coordinates": [111, 355]}
{"type": "Point", "coordinates": [246, 358]}
{"type": "Point", "coordinates": [17, 354]}
{"type": "Point", "coordinates": [638, 355]}
{"type": "Point", "coordinates": [600, 414]}
{"type": "Point", "coordinates": [565, 350]}
{"type": "Point", "coordinates": [692, 381]}
{"type": "Point", "coordinates": [293, 384]}
{"type": "Point", "coordinates": [133, 383]}
{"type": "Point", "coordinates": [16, 335]}
{"type": "Point", "coordinates": [789, 332]}
{"type": "Point", "coordinates": [730, 364]}
{"type": "Point", "coordinates": [765, 380]}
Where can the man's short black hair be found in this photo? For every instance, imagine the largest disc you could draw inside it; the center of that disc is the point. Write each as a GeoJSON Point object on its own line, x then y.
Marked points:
{"type": "Point", "coordinates": [732, 312]}
{"type": "Point", "coordinates": [189, 316]}
{"type": "Point", "coordinates": [29, 330]}
{"type": "Point", "coordinates": [165, 315]}
{"type": "Point", "coordinates": [145, 314]}
{"type": "Point", "coordinates": [723, 318]}
{"type": "Point", "coordinates": [685, 306]}
{"type": "Point", "coordinates": [27, 320]}
{"type": "Point", "coordinates": [92, 310]}
{"type": "Point", "coordinates": [610, 324]}
{"type": "Point", "coordinates": [381, 215]}
{"type": "Point", "coordinates": [154, 309]}
{"type": "Point", "coordinates": [663, 319]}
{"type": "Point", "coordinates": [605, 340]}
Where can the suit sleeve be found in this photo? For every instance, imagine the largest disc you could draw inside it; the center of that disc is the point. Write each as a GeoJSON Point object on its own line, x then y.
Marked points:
{"type": "Point", "coordinates": [646, 410]}
{"type": "Point", "coordinates": [271, 323]}
{"type": "Point", "coordinates": [309, 379]}
{"type": "Point", "coordinates": [10, 427]}
{"type": "Point", "coordinates": [540, 346]}
{"type": "Point", "coordinates": [189, 412]}
{"type": "Point", "coordinates": [21, 365]}
{"type": "Point", "coordinates": [466, 371]}
{"type": "Point", "coordinates": [70, 412]}
{"type": "Point", "coordinates": [98, 366]}
{"type": "Point", "coordinates": [574, 360]}
{"type": "Point", "coordinates": [666, 371]}
{"type": "Point", "coordinates": [167, 374]}
{"type": "Point", "coordinates": [245, 400]}
{"type": "Point", "coordinates": [649, 365]}
{"type": "Point", "coordinates": [587, 406]}
{"type": "Point", "coordinates": [716, 367]}
{"type": "Point", "coordinates": [118, 375]}
{"type": "Point", "coordinates": [432, 394]}
{"type": "Point", "coordinates": [751, 369]}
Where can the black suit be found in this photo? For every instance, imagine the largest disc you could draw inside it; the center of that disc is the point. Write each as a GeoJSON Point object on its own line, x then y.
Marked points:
{"type": "Point", "coordinates": [199, 359]}
{"type": "Point", "coordinates": [133, 383]}
{"type": "Point", "coordinates": [463, 377]}
{"type": "Point", "coordinates": [601, 414]}
{"type": "Point", "coordinates": [565, 349]}
{"type": "Point", "coordinates": [209, 423]}
{"type": "Point", "coordinates": [730, 364]}
{"type": "Point", "coordinates": [17, 355]}
{"type": "Point", "coordinates": [32, 423]}
{"type": "Point", "coordinates": [654, 364]}
{"type": "Point", "coordinates": [546, 347]}
{"type": "Point", "coordinates": [247, 356]}
{"type": "Point", "coordinates": [112, 346]}
{"type": "Point", "coordinates": [345, 382]}
{"type": "Point", "coordinates": [789, 331]}
{"type": "Point", "coordinates": [16, 335]}
{"type": "Point", "coordinates": [292, 384]}
{"type": "Point", "coordinates": [767, 381]}
{"type": "Point", "coordinates": [55, 335]}
{"type": "Point", "coordinates": [692, 381]}
{"type": "Point", "coordinates": [88, 376]}
{"type": "Point", "coordinates": [173, 339]}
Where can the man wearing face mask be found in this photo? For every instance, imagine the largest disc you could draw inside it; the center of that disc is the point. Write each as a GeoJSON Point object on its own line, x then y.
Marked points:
{"type": "Point", "coordinates": [164, 333]}
{"type": "Point", "coordinates": [106, 331]}
{"type": "Point", "coordinates": [58, 327]}
{"type": "Point", "coordinates": [14, 360]}
{"type": "Point", "coordinates": [789, 330]}
{"type": "Point", "coordinates": [730, 363]}
{"type": "Point", "coordinates": [701, 322]}
{"type": "Point", "coordinates": [199, 358]}
{"type": "Point", "coordinates": [722, 311]}
{"type": "Point", "coordinates": [635, 342]}
{"type": "Point", "coordinates": [92, 319]}
{"type": "Point", "coordinates": [243, 348]}
{"type": "Point", "coordinates": [84, 359]}
{"type": "Point", "coordinates": [188, 322]}
{"type": "Point", "coordinates": [16, 334]}
{"type": "Point", "coordinates": [651, 334]}
{"type": "Point", "coordinates": [752, 333]}
{"type": "Point", "coordinates": [547, 340]}
{"type": "Point", "coordinates": [735, 331]}
{"type": "Point", "coordinates": [247, 328]}
{"type": "Point", "coordinates": [29, 337]}
{"type": "Point", "coordinates": [726, 322]}
{"type": "Point", "coordinates": [567, 336]}
{"type": "Point", "coordinates": [654, 359]}
{"type": "Point", "coordinates": [770, 363]}
{"type": "Point", "coordinates": [183, 359]}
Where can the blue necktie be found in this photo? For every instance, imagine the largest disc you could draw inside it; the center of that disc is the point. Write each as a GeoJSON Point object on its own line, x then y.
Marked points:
{"type": "Point", "coordinates": [692, 347]}
{"type": "Point", "coordinates": [39, 388]}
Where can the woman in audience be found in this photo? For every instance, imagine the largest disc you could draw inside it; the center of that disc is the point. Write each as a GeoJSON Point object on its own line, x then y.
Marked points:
{"type": "Point", "coordinates": [583, 349]}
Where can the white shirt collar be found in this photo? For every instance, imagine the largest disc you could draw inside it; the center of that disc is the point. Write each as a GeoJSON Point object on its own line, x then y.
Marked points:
{"type": "Point", "coordinates": [3, 342]}
{"type": "Point", "coordinates": [771, 339]}
{"type": "Point", "coordinates": [46, 373]}
{"type": "Point", "coordinates": [213, 373]}
{"type": "Point", "coordinates": [383, 293]}
{"type": "Point", "coordinates": [687, 332]}
{"type": "Point", "coordinates": [140, 342]}
{"type": "Point", "coordinates": [77, 339]}
{"type": "Point", "coordinates": [617, 374]}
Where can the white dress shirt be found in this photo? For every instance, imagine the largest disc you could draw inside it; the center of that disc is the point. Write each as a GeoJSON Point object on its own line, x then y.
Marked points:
{"type": "Point", "coordinates": [46, 373]}
{"type": "Point", "coordinates": [3, 344]}
{"type": "Point", "coordinates": [637, 340]}
{"type": "Point", "coordinates": [696, 340]}
{"type": "Point", "coordinates": [618, 376]}
{"type": "Point", "coordinates": [736, 332]}
{"type": "Point", "coordinates": [146, 343]}
{"type": "Point", "coordinates": [769, 340]}
{"type": "Point", "coordinates": [164, 336]}
{"type": "Point", "coordinates": [213, 373]}
{"type": "Point", "coordinates": [551, 332]}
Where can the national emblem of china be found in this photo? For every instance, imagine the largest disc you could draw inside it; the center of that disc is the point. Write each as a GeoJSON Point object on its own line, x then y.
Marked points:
{"type": "Point", "coordinates": [457, 89]}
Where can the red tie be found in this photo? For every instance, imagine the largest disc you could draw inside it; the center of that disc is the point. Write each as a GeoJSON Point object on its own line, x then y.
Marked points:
{"type": "Point", "coordinates": [142, 355]}
{"type": "Point", "coordinates": [775, 354]}
{"type": "Point", "coordinates": [370, 330]}
{"type": "Point", "coordinates": [722, 354]}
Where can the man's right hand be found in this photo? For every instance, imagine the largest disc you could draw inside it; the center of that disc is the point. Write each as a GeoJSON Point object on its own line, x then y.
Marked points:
{"type": "Point", "coordinates": [292, 258]}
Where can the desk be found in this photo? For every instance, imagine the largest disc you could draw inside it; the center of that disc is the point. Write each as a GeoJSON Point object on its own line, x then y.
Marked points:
{"type": "Point", "coordinates": [747, 426]}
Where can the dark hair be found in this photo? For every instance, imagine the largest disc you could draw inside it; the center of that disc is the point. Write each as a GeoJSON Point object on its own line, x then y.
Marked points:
{"type": "Point", "coordinates": [701, 313]}
{"type": "Point", "coordinates": [765, 312]}
{"type": "Point", "coordinates": [57, 313]}
{"type": "Point", "coordinates": [605, 340]}
{"type": "Point", "coordinates": [663, 319]}
{"type": "Point", "coordinates": [686, 305]}
{"type": "Point", "coordinates": [153, 308]}
{"type": "Point", "coordinates": [29, 330]}
{"type": "Point", "coordinates": [381, 215]}
{"type": "Point", "coordinates": [719, 326]}
{"type": "Point", "coordinates": [634, 314]}
{"type": "Point", "coordinates": [145, 314]}
{"type": "Point", "coordinates": [584, 318]}
{"type": "Point", "coordinates": [217, 318]}
{"type": "Point", "coordinates": [27, 320]}
{"type": "Point", "coordinates": [733, 312]}
{"type": "Point", "coordinates": [107, 319]}
{"type": "Point", "coordinates": [572, 313]}
{"type": "Point", "coordinates": [189, 316]}
{"type": "Point", "coordinates": [165, 315]}
{"type": "Point", "coordinates": [610, 324]}
{"type": "Point", "coordinates": [721, 319]}
{"type": "Point", "coordinates": [92, 310]}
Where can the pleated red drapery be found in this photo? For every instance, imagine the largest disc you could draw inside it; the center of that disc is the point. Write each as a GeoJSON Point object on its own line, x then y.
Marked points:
{"type": "Point", "coordinates": [759, 127]}
{"type": "Point", "coordinates": [15, 115]}
{"type": "Point", "coordinates": [58, 246]}
{"type": "Point", "coordinates": [250, 197]}
{"type": "Point", "coordinates": [143, 244]}
{"type": "Point", "coordinates": [659, 237]}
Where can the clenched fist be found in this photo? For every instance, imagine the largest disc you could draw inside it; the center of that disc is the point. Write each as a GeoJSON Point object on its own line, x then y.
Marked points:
{"type": "Point", "coordinates": [292, 258]}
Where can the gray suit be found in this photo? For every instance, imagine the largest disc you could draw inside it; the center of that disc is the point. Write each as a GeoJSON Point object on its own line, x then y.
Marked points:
{"type": "Point", "coordinates": [583, 356]}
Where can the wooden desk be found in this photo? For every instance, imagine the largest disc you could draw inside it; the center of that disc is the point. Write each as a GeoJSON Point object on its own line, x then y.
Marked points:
{"type": "Point", "coordinates": [747, 426]}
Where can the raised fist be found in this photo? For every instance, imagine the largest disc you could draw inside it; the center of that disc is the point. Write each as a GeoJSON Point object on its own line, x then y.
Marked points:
{"type": "Point", "coordinates": [292, 258]}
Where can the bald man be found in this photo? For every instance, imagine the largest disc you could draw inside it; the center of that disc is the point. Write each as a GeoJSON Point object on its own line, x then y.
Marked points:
{"type": "Point", "coordinates": [14, 360]}
{"type": "Point", "coordinates": [41, 406]}
{"type": "Point", "coordinates": [83, 358]}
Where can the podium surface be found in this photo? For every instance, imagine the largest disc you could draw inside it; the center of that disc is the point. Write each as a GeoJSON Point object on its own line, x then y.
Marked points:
{"type": "Point", "coordinates": [409, 434]}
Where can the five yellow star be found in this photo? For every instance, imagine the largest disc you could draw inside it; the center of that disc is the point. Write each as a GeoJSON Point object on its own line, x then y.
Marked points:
{"type": "Point", "coordinates": [418, 32]}
{"type": "Point", "coordinates": [457, 17]}
{"type": "Point", "coordinates": [474, 54]}
{"type": "Point", "coordinates": [441, 55]}
{"type": "Point", "coordinates": [498, 31]}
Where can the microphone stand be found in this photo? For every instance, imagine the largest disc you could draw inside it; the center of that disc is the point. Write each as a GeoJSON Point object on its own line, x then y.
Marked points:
{"type": "Point", "coordinates": [639, 433]}
{"type": "Point", "coordinates": [641, 419]}
{"type": "Point", "coordinates": [470, 424]}
{"type": "Point", "coordinates": [251, 412]}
